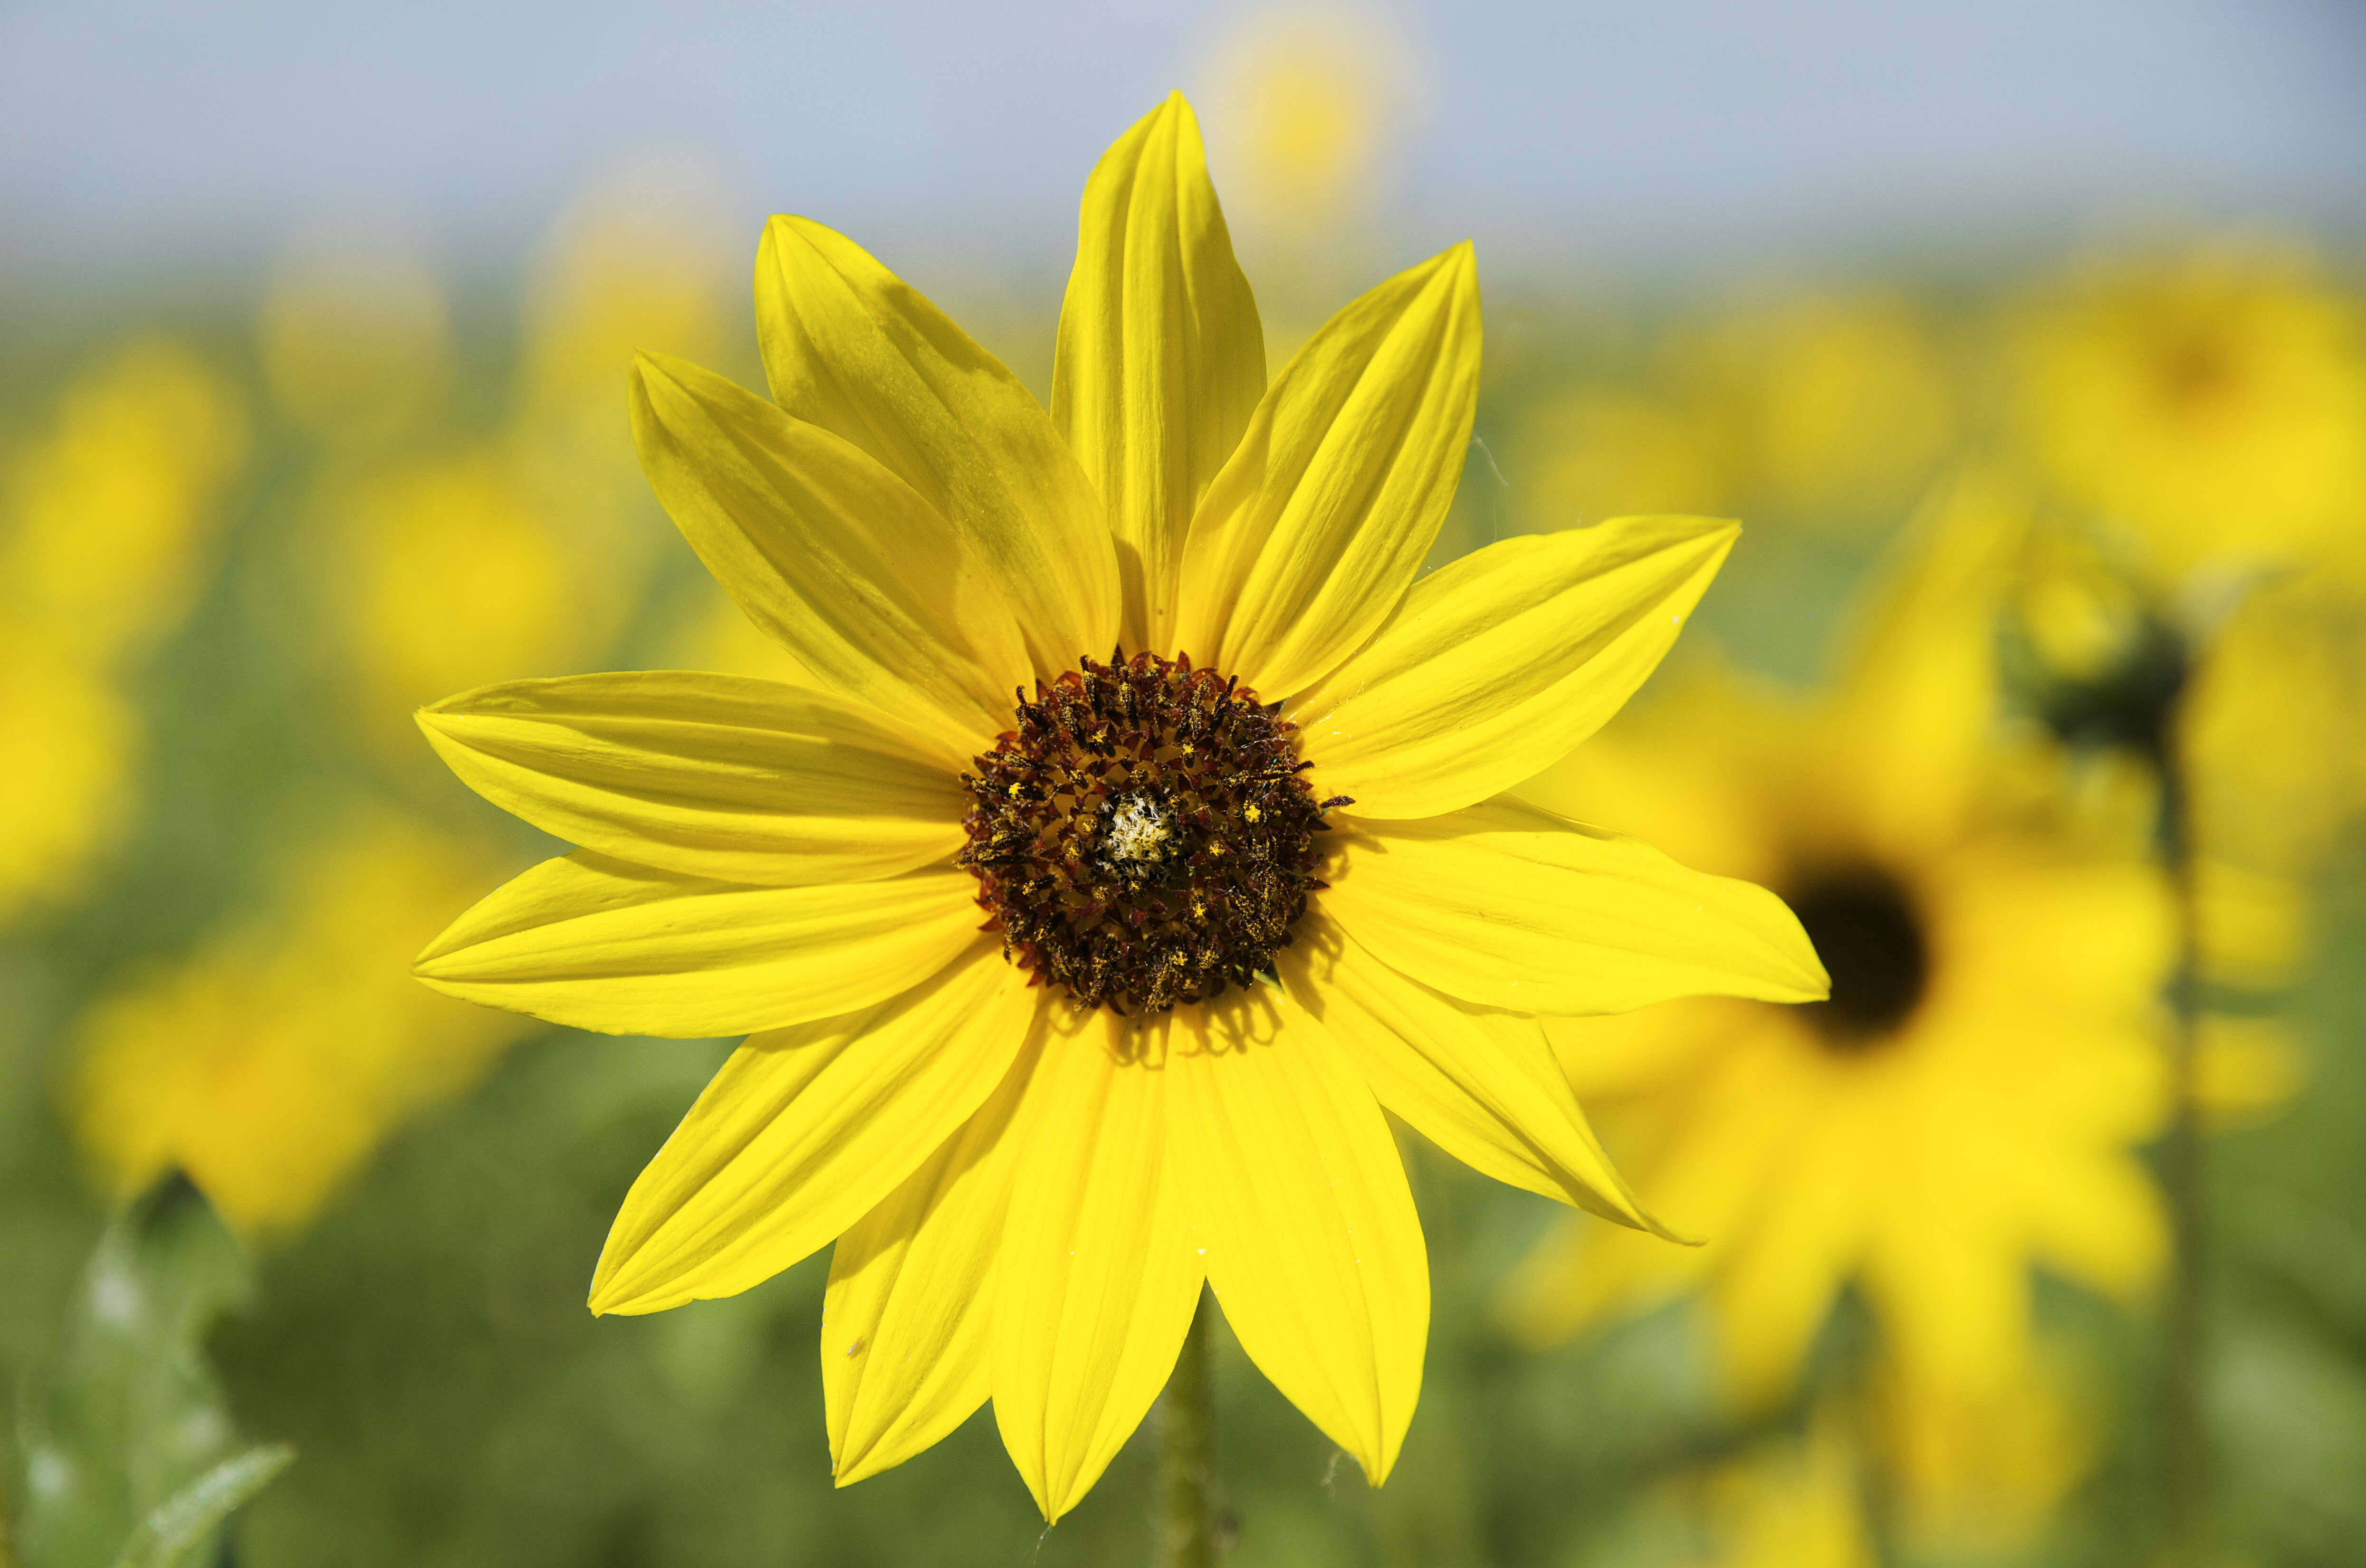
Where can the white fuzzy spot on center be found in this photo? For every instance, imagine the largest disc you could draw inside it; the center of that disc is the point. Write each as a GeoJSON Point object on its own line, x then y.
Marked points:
{"type": "Point", "coordinates": [1137, 831]}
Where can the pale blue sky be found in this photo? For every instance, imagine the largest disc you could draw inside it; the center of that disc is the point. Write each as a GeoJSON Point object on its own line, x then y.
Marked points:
{"type": "Point", "coordinates": [148, 132]}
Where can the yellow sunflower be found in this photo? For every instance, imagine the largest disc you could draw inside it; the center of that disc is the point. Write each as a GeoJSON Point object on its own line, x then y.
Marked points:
{"type": "Point", "coordinates": [2212, 403]}
{"type": "Point", "coordinates": [1065, 1002]}
{"type": "Point", "coordinates": [1971, 1101]}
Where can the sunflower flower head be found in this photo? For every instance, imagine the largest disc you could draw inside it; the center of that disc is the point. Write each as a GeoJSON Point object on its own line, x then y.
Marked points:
{"type": "Point", "coordinates": [1971, 1103]}
{"type": "Point", "coordinates": [1134, 833]}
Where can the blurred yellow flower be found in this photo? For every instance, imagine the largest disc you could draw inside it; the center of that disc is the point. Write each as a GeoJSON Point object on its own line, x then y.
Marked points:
{"type": "Point", "coordinates": [1796, 1504]}
{"type": "Point", "coordinates": [449, 575]}
{"type": "Point", "coordinates": [109, 518]}
{"type": "Point", "coordinates": [1820, 409]}
{"type": "Point", "coordinates": [644, 259]}
{"type": "Point", "coordinates": [1305, 99]}
{"type": "Point", "coordinates": [1607, 451]}
{"type": "Point", "coordinates": [2213, 403]}
{"type": "Point", "coordinates": [446, 565]}
{"type": "Point", "coordinates": [270, 1062]}
{"type": "Point", "coordinates": [1971, 1099]}
{"type": "Point", "coordinates": [1844, 401]}
{"type": "Point", "coordinates": [66, 789]}
{"type": "Point", "coordinates": [106, 528]}
{"type": "Point", "coordinates": [1161, 1061]}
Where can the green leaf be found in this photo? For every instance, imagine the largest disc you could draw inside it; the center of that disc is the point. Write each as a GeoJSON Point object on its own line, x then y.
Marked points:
{"type": "Point", "coordinates": [130, 1454]}
{"type": "Point", "coordinates": [171, 1535]}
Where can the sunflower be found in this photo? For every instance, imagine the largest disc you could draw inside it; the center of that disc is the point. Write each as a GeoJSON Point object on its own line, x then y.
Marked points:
{"type": "Point", "coordinates": [2213, 403]}
{"type": "Point", "coordinates": [1971, 1101]}
{"type": "Point", "coordinates": [1073, 981]}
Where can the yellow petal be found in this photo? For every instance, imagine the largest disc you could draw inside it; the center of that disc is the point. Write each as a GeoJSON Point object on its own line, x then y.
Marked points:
{"type": "Point", "coordinates": [849, 346]}
{"type": "Point", "coordinates": [1310, 534]}
{"type": "Point", "coordinates": [1161, 358]}
{"type": "Point", "coordinates": [1916, 713]}
{"type": "Point", "coordinates": [1097, 1280]}
{"type": "Point", "coordinates": [906, 1348]}
{"type": "Point", "coordinates": [871, 591]}
{"type": "Point", "coordinates": [598, 943]}
{"type": "Point", "coordinates": [1791, 1239]}
{"type": "Point", "coordinates": [704, 775]}
{"type": "Point", "coordinates": [1497, 665]}
{"type": "Point", "coordinates": [1507, 906]}
{"type": "Point", "coordinates": [806, 1130]}
{"type": "Point", "coordinates": [2101, 1223]}
{"type": "Point", "coordinates": [1298, 1198]}
{"type": "Point", "coordinates": [1480, 1084]}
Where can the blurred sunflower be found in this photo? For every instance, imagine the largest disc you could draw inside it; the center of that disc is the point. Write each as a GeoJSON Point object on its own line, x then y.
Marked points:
{"type": "Point", "coordinates": [105, 527]}
{"type": "Point", "coordinates": [111, 517]}
{"type": "Point", "coordinates": [1970, 1100]}
{"type": "Point", "coordinates": [447, 564]}
{"type": "Point", "coordinates": [269, 1064]}
{"type": "Point", "coordinates": [1163, 1057]}
{"type": "Point", "coordinates": [1825, 410]}
{"type": "Point", "coordinates": [1798, 1504]}
{"type": "Point", "coordinates": [67, 794]}
{"type": "Point", "coordinates": [1841, 402]}
{"type": "Point", "coordinates": [1312, 96]}
{"type": "Point", "coordinates": [2211, 403]}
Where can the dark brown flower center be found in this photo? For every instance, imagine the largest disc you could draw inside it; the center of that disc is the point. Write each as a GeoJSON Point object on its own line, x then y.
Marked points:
{"type": "Point", "coordinates": [1869, 934]}
{"type": "Point", "coordinates": [1146, 836]}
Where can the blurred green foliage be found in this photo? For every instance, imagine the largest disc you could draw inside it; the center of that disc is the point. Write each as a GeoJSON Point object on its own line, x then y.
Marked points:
{"type": "Point", "coordinates": [130, 1455]}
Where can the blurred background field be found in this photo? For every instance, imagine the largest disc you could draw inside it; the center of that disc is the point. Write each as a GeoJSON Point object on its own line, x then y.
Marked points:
{"type": "Point", "coordinates": [2031, 347]}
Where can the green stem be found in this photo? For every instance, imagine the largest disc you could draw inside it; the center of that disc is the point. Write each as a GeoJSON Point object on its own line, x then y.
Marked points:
{"type": "Point", "coordinates": [1186, 1525]}
{"type": "Point", "coordinates": [2185, 1441]}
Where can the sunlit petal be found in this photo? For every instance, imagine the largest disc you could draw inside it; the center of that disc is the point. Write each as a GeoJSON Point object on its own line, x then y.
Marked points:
{"type": "Point", "coordinates": [806, 1130]}
{"type": "Point", "coordinates": [1509, 907]}
{"type": "Point", "coordinates": [853, 348]}
{"type": "Point", "coordinates": [601, 945]}
{"type": "Point", "coordinates": [1313, 532]}
{"type": "Point", "coordinates": [1161, 357]}
{"type": "Point", "coordinates": [704, 775]}
{"type": "Point", "coordinates": [1299, 1200]}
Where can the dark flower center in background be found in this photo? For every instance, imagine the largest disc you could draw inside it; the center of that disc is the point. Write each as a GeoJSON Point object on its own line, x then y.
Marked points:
{"type": "Point", "coordinates": [1869, 934]}
{"type": "Point", "coordinates": [1143, 837]}
{"type": "Point", "coordinates": [2197, 372]}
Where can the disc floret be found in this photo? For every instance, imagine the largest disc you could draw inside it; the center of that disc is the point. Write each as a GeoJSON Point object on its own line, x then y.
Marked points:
{"type": "Point", "coordinates": [1146, 836]}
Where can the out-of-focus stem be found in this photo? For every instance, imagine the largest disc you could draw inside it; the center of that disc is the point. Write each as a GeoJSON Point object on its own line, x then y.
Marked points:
{"type": "Point", "coordinates": [2185, 1438]}
{"type": "Point", "coordinates": [1186, 1525]}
